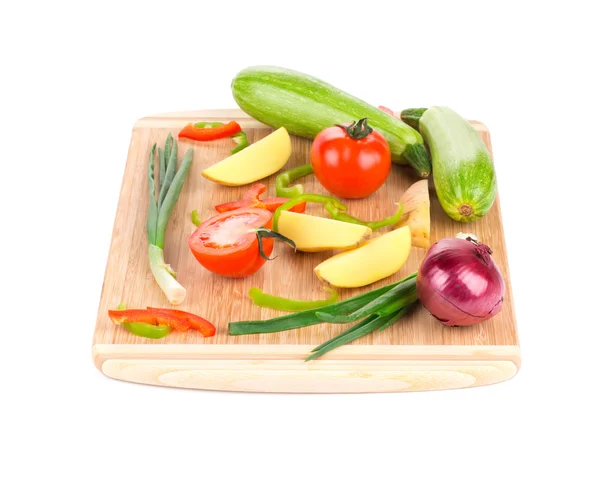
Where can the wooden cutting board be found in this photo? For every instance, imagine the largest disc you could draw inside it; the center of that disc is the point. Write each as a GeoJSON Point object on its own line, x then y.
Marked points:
{"type": "Point", "coordinates": [415, 354]}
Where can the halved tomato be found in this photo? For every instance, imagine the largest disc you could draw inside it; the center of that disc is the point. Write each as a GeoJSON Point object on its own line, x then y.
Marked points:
{"type": "Point", "coordinates": [227, 244]}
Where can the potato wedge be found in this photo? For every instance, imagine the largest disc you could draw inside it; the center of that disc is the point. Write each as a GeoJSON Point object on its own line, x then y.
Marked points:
{"type": "Point", "coordinates": [259, 160]}
{"type": "Point", "coordinates": [416, 213]}
{"type": "Point", "coordinates": [376, 259]}
{"type": "Point", "coordinates": [314, 234]}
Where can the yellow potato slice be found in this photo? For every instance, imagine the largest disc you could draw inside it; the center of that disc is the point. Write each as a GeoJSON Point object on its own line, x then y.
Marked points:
{"type": "Point", "coordinates": [259, 160]}
{"type": "Point", "coordinates": [314, 234]}
{"type": "Point", "coordinates": [375, 260]}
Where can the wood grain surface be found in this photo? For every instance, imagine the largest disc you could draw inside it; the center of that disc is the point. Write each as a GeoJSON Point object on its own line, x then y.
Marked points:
{"type": "Point", "coordinates": [220, 300]}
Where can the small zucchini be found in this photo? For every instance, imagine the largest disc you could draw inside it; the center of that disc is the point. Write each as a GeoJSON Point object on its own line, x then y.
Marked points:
{"type": "Point", "coordinates": [463, 170]}
{"type": "Point", "coordinates": [305, 105]}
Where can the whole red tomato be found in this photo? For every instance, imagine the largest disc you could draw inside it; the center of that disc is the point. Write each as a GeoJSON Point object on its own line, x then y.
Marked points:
{"type": "Point", "coordinates": [351, 161]}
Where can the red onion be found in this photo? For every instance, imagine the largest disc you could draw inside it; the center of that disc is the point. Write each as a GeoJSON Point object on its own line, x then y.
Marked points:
{"type": "Point", "coordinates": [459, 283]}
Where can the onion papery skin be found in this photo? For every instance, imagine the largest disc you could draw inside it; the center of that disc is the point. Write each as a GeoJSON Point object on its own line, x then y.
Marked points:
{"type": "Point", "coordinates": [459, 283]}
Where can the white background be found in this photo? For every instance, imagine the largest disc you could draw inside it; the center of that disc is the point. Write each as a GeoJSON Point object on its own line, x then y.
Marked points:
{"type": "Point", "coordinates": [75, 78]}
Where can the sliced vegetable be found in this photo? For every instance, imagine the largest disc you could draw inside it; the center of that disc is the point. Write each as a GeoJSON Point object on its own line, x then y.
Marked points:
{"type": "Point", "coordinates": [305, 105]}
{"type": "Point", "coordinates": [315, 234]}
{"type": "Point", "coordinates": [241, 142]}
{"type": "Point", "coordinates": [264, 300]}
{"type": "Point", "coordinates": [351, 160]}
{"type": "Point", "coordinates": [146, 330]}
{"type": "Point", "coordinates": [375, 260]}
{"type": "Point", "coordinates": [373, 225]}
{"type": "Point", "coordinates": [252, 199]}
{"type": "Point", "coordinates": [196, 218]}
{"type": "Point", "coordinates": [207, 131]}
{"type": "Point", "coordinates": [463, 170]}
{"type": "Point", "coordinates": [287, 177]}
{"type": "Point", "coordinates": [180, 320]}
{"type": "Point", "coordinates": [151, 317]}
{"type": "Point", "coordinates": [328, 201]}
{"type": "Point", "coordinates": [235, 243]}
{"type": "Point", "coordinates": [159, 212]}
{"type": "Point", "coordinates": [416, 214]}
{"type": "Point", "coordinates": [306, 318]}
{"type": "Point", "coordinates": [380, 308]}
{"type": "Point", "coordinates": [257, 161]}
{"type": "Point", "coordinates": [196, 322]}
{"type": "Point", "coordinates": [459, 282]}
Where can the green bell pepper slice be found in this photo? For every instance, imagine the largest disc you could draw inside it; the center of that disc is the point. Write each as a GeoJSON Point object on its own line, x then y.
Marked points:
{"type": "Point", "coordinates": [146, 330]}
{"type": "Point", "coordinates": [265, 300]}
{"type": "Point", "coordinates": [287, 177]}
{"type": "Point", "coordinates": [327, 201]}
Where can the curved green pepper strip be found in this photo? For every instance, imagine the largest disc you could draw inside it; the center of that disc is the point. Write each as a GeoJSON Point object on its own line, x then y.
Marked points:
{"type": "Point", "coordinates": [336, 214]}
{"type": "Point", "coordinates": [241, 142]}
{"type": "Point", "coordinates": [207, 125]}
{"type": "Point", "coordinates": [327, 201]}
{"type": "Point", "coordinates": [240, 139]}
{"type": "Point", "coordinates": [284, 304]}
{"type": "Point", "coordinates": [285, 178]}
{"type": "Point", "coordinates": [196, 218]}
{"type": "Point", "coordinates": [146, 330]}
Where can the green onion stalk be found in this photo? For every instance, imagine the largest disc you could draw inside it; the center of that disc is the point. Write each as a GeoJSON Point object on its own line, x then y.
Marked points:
{"type": "Point", "coordinates": [377, 310]}
{"type": "Point", "coordinates": [163, 195]}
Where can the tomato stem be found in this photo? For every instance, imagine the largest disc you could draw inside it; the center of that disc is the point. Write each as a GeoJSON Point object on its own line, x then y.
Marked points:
{"type": "Point", "coordinates": [357, 130]}
{"type": "Point", "coordinates": [263, 232]}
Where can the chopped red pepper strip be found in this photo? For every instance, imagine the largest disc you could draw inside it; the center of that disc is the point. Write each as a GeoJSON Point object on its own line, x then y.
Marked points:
{"type": "Point", "coordinates": [152, 317]}
{"type": "Point", "coordinates": [386, 110]}
{"type": "Point", "coordinates": [272, 204]}
{"type": "Point", "coordinates": [180, 320]}
{"type": "Point", "coordinates": [191, 131]}
{"type": "Point", "coordinates": [197, 323]}
{"type": "Point", "coordinates": [252, 199]}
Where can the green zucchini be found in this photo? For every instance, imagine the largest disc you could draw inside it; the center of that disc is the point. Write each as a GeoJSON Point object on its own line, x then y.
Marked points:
{"type": "Point", "coordinates": [463, 170]}
{"type": "Point", "coordinates": [305, 105]}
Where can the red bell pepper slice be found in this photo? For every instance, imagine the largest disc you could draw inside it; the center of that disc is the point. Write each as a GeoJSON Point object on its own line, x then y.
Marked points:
{"type": "Point", "coordinates": [148, 316]}
{"type": "Point", "coordinates": [197, 322]}
{"type": "Point", "coordinates": [177, 319]}
{"type": "Point", "coordinates": [272, 204]}
{"type": "Point", "coordinates": [386, 110]}
{"type": "Point", "coordinates": [190, 131]}
{"type": "Point", "coordinates": [252, 199]}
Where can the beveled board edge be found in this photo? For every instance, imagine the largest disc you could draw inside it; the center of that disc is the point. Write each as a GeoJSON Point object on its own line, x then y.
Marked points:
{"type": "Point", "coordinates": [281, 368]}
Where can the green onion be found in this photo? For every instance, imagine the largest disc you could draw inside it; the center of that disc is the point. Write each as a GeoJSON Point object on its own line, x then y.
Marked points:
{"type": "Point", "coordinates": [363, 328]}
{"type": "Point", "coordinates": [159, 211]}
{"type": "Point", "coordinates": [305, 318]}
{"type": "Point", "coordinates": [377, 309]}
{"type": "Point", "coordinates": [368, 325]}
{"type": "Point", "coordinates": [402, 294]}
